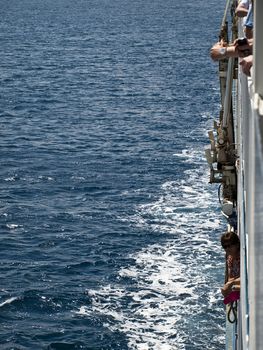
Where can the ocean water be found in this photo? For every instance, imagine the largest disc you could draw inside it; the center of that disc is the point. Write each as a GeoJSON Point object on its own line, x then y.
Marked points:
{"type": "Point", "coordinates": [109, 228]}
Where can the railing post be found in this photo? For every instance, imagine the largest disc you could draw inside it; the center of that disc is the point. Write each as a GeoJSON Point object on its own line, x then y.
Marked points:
{"type": "Point", "coordinates": [258, 53]}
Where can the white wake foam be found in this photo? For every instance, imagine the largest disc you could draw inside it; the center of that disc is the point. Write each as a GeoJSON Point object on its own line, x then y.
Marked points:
{"type": "Point", "coordinates": [171, 286]}
{"type": "Point", "coordinates": [8, 301]}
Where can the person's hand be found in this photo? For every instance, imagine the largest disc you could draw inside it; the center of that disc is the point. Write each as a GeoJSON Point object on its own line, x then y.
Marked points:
{"type": "Point", "coordinates": [217, 51]}
{"type": "Point", "coordinates": [246, 64]}
{"type": "Point", "coordinates": [235, 288]}
{"type": "Point", "coordinates": [222, 50]}
{"type": "Point", "coordinates": [227, 288]}
{"type": "Point", "coordinates": [231, 285]}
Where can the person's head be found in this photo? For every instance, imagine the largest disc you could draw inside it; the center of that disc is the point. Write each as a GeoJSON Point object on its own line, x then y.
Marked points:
{"type": "Point", "coordinates": [230, 241]}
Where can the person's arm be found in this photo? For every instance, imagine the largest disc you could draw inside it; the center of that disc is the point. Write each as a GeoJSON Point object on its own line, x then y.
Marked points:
{"type": "Point", "coordinates": [246, 64]}
{"type": "Point", "coordinates": [241, 10]}
{"type": "Point", "coordinates": [220, 51]}
{"type": "Point", "coordinates": [228, 286]}
{"type": "Point", "coordinates": [236, 284]}
{"type": "Point", "coordinates": [226, 289]}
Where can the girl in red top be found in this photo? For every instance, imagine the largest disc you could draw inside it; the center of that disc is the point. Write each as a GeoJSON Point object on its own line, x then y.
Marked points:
{"type": "Point", "coordinates": [231, 244]}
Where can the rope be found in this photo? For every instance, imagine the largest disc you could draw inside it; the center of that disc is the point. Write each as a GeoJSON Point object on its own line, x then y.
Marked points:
{"type": "Point", "coordinates": [232, 309]}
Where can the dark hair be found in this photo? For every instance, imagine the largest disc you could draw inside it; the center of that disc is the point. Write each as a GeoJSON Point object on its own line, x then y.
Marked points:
{"type": "Point", "coordinates": [229, 238]}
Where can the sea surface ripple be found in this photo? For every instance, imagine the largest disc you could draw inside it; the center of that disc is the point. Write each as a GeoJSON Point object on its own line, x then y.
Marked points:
{"type": "Point", "coordinates": [109, 228]}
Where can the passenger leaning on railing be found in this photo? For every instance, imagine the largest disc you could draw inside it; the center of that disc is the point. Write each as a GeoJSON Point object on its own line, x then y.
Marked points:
{"type": "Point", "coordinates": [248, 22]}
{"type": "Point", "coordinates": [242, 47]}
{"type": "Point", "coordinates": [239, 48]}
{"type": "Point", "coordinates": [231, 244]}
{"type": "Point", "coordinates": [244, 10]}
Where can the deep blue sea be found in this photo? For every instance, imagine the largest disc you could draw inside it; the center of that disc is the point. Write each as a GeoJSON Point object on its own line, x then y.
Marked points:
{"type": "Point", "coordinates": [109, 228]}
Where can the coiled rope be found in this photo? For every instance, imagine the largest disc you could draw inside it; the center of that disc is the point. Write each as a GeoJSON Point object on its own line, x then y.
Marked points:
{"type": "Point", "coordinates": [232, 312]}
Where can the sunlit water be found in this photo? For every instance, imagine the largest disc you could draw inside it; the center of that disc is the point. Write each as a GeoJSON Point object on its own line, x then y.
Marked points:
{"type": "Point", "coordinates": [109, 228]}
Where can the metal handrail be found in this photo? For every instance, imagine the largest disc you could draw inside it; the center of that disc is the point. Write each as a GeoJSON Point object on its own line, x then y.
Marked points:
{"type": "Point", "coordinates": [223, 30]}
{"type": "Point", "coordinates": [228, 92]}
